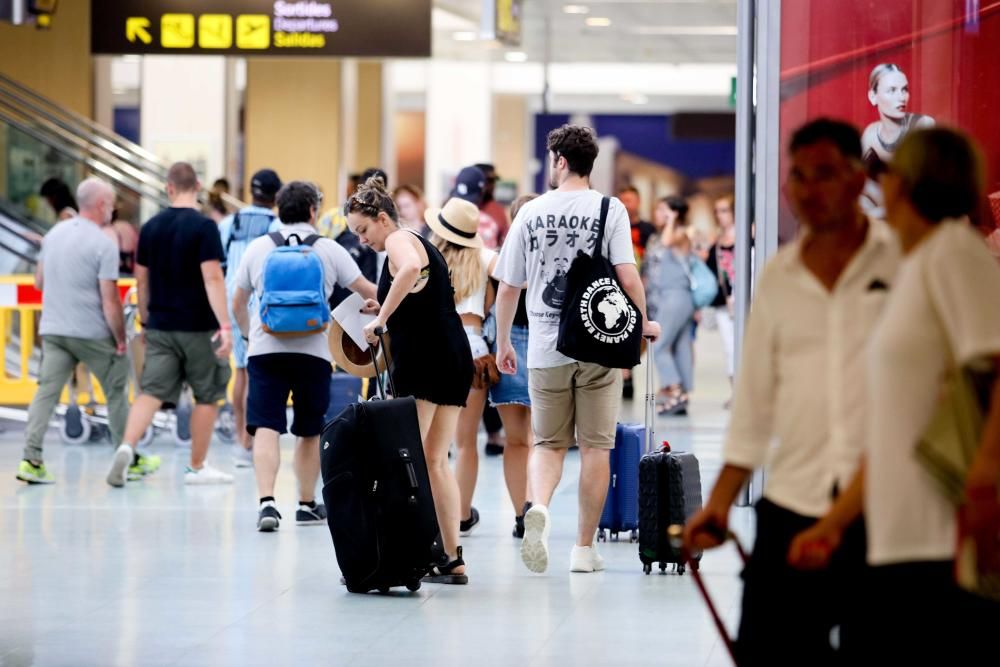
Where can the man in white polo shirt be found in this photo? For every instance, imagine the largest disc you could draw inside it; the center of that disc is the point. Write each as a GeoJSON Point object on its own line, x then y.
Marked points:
{"type": "Point", "coordinates": [800, 403]}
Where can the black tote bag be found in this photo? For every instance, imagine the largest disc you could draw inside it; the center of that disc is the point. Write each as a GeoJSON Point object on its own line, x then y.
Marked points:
{"type": "Point", "coordinates": [599, 323]}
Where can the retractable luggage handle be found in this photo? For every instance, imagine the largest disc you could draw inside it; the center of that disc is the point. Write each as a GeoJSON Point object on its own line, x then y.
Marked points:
{"type": "Point", "coordinates": [676, 535]}
{"type": "Point", "coordinates": [650, 396]}
{"type": "Point", "coordinates": [380, 332]}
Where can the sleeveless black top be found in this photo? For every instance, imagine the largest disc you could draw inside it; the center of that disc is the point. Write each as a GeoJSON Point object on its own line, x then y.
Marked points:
{"type": "Point", "coordinates": [431, 358]}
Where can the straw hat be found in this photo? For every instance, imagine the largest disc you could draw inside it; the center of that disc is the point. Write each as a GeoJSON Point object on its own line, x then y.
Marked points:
{"type": "Point", "coordinates": [457, 222]}
{"type": "Point", "coordinates": [349, 357]}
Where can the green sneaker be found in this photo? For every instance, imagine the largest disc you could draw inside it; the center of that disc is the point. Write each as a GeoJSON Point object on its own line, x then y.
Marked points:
{"type": "Point", "coordinates": [145, 464]}
{"type": "Point", "coordinates": [32, 474]}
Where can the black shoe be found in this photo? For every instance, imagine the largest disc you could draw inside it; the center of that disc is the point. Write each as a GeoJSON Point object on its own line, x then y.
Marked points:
{"type": "Point", "coordinates": [308, 516]}
{"type": "Point", "coordinates": [494, 449]}
{"type": "Point", "coordinates": [268, 519]}
{"type": "Point", "coordinates": [465, 527]}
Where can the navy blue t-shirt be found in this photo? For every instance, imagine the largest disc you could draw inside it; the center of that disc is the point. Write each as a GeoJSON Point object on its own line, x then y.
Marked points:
{"type": "Point", "coordinates": [173, 245]}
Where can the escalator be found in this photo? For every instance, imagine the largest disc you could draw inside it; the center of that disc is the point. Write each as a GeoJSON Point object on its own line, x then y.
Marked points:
{"type": "Point", "coordinates": [41, 140]}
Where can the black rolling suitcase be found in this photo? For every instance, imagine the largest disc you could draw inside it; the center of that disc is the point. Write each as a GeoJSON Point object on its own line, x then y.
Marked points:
{"type": "Point", "coordinates": [377, 493]}
{"type": "Point", "coordinates": [669, 493]}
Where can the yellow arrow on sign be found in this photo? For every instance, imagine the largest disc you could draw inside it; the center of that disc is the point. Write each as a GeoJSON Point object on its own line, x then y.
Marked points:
{"type": "Point", "coordinates": [137, 27]}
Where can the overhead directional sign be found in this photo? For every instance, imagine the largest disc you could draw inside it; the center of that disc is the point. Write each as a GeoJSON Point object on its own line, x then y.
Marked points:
{"type": "Point", "coordinates": [372, 28]}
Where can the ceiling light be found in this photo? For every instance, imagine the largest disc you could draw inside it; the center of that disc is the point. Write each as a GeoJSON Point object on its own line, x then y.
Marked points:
{"type": "Point", "coordinates": [694, 30]}
{"type": "Point", "coordinates": [576, 9]}
{"type": "Point", "coordinates": [516, 57]}
{"type": "Point", "coordinates": [598, 22]}
{"type": "Point", "coordinates": [464, 36]}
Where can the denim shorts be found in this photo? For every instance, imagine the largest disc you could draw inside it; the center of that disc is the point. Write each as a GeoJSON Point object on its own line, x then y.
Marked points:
{"type": "Point", "coordinates": [513, 389]}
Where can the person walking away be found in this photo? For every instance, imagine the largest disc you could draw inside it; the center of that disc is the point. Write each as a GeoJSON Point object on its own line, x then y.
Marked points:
{"type": "Point", "coordinates": [668, 267]}
{"type": "Point", "coordinates": [570, 401]}
{"type": "Point", "coordinates": [800, 404]}
{"type": "Point", "coordinates": [82, 323]}
{"type": "Point", "coordinates": [640, 231]}
{"type": "Point", "coordinates": [489, 204]}
{"type": "Point", "coordinates": [296, 361]}
{"type": "Point", "coordinates": [59, 198]}
{"type": "Point", "coordinates": [722, 262]}
{"type": "Point", "coordinates": [182, 303]}
{"type": "Point", "coordinates": [940, 319]}
{"type": "Point", "coordinates": [509, 395]}
{"type": "Point", "coordinates": [470, 265]}
{"type": "Point", "coordinates": [237, 232]}
{"type": "Point", "coordinates": [416, 305]}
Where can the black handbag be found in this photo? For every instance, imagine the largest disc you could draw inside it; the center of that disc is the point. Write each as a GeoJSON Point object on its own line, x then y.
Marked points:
{"type": "Point", "coordinates": [598, 323]}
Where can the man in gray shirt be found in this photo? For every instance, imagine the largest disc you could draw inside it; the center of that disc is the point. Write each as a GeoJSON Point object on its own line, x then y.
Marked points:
{"type": "Point", "coordinates": [82, 320]}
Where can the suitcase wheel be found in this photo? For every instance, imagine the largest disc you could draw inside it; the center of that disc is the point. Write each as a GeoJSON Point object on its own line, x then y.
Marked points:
{"type": "Point", "coordinates": [681, 569]}
{"type": "Point", "coordinates": [413, 586]}
{"type": "Point", "coordinates": [663, 567]}
{"type": "Point", "coordinates": [384, 590]}
{"type": "Point", "coordinates": [634, 537]}
{"type": "Point", "coordinates": [602, 536]}
{"type": "Point", "coordinates": [647, 568]}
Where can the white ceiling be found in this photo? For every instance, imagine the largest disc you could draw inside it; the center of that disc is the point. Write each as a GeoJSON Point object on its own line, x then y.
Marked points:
{"type": "Point", "coordinates": [650, 31]}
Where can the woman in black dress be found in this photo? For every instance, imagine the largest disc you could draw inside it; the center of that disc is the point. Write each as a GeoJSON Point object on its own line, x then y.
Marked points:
{"type": "Point", "coordinates": [431, 358]}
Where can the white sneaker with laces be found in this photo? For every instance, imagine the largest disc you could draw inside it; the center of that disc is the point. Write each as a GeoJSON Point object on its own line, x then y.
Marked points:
{"type": "Point", "coordinates": [119, 465]}
{"type": "Point", "coordinates": [535, 545]}
{"type": "Point", "coordinates": [242, 457]}
{"type": "Point", "coordinates": [206, 475]}
{"type": "Point", "coordinates": [585, 559]}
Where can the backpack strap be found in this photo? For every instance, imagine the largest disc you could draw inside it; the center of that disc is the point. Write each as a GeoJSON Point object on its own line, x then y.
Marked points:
{"type": "Point", "coordinates": [278, 239]}
{"type": "Point", "coordinates": [232, 230]}
{"type": "Point", "coordinates": [311, 239]}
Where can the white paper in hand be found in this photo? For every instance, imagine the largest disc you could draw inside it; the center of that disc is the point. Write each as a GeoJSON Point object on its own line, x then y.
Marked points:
{"type": "Point", "coordinates": [353, 321]}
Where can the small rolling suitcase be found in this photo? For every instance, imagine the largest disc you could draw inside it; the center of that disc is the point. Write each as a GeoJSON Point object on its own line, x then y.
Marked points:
{"type": "Point", "coordinates": [621, 509]}
{"type": "Point", "coordinates": [345, 390]}
{"type": "Point", "coordinates": [378, 495]}
{"type": "Point", "coordinates": [669, 493]}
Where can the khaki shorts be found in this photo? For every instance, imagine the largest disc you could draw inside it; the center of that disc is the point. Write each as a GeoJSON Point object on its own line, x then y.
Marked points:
{"type": "Point", "coordinates": [578, 401]}
{"type": "Point", "coordinates": [176, 357]}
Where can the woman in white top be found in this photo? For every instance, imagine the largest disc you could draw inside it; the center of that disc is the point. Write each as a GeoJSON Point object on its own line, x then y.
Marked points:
{"type": "Point", "coordinates": [942, 313]}
{"type": "Point", "coordinates": [455, 234]}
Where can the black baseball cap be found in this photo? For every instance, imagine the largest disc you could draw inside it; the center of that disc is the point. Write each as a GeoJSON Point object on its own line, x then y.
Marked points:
{"type": "Point", "coordinates": [469, 185]}
{"type": "Point", "coordinates": [265, 184]}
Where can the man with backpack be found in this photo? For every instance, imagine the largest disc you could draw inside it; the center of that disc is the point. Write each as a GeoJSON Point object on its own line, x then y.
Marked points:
{"type": "Point", "coordinates": [291, 272]}
{"type": "Point", "coordinates": [237, 231]}
{"type": "Point", "coordinates": [570, 400]}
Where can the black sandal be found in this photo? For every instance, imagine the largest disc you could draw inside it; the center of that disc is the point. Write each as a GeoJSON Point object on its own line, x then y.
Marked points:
{"type": "Point", "coordinates": [443, 572]}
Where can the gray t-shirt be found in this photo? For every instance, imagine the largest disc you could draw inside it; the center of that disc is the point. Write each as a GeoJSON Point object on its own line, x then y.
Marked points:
{"type": "Point", "coordinates": [539, 249]}
{"type": "Point", "coordinates": [338, 268]}
{"type": "Point", "coordinates": [75, 256]}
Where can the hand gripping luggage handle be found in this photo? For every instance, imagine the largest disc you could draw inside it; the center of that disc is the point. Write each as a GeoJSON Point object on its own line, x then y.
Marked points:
{"type": "Point", "coordinates": [650, 395]}
{"type": "Point", "coordinates": [380, 332]}
{"type": "Point", "coordinates": [676, 535]}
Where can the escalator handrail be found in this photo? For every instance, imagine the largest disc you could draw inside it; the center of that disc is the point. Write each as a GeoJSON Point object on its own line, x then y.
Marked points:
{"type": "Point", "coordinates": [91, 128]}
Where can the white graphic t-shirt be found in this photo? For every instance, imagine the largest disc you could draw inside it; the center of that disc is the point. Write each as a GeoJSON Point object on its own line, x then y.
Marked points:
{"type": "Point", "coordinates": [542, 242]}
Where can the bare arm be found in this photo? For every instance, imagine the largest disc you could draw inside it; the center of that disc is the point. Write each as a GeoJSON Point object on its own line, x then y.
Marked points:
{"type": "Point", "coordinates": [812, 548]}
{"type": "Point", "coordinates": [241, 302]}
{"type": "Point", "coordinates": [142, 291]}
{"type": "Point", "coordinates": [215, 288]}
{"type": "Point", "coordinates": [364, 287]}
{"type": "Point", "coordinates": [112, 306]}
{"type": "Point", "coordinates": [984, 475]}
{"type": "Point", "coordinates": [406, 259]}
{"type": "Point", "coordinates": [507, 297]}
{"type": "Point", "coordinates": [628, 278]}
{"type": "Point", "coordinates": [39, 277]}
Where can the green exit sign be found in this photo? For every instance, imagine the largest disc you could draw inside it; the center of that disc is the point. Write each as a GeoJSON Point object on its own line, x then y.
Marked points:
{"type": "Point", "coordinates": [732, 92]}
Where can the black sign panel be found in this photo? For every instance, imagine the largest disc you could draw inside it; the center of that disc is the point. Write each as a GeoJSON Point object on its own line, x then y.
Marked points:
{"type": "Point", "coordinates": [373, 28]}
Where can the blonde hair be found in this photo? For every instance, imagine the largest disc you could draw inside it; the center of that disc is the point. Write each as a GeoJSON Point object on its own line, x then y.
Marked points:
{"type": "Point", "coordinates": [464, 265]}
{"type": "Point", "coordinates": [878, 72]}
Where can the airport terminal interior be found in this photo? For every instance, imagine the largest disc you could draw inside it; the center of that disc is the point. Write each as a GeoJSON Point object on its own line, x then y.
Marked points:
{"type": "Point", "coordinates": [692, 106]}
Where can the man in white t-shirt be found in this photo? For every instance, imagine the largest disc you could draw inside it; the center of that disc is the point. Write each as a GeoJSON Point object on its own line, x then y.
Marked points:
{"type": "Point", "coordinates": [800, 404]}
{"type": "Point", "coordinates": [571, 401]}
{"type": "Point", "coordinates": [300, 366]}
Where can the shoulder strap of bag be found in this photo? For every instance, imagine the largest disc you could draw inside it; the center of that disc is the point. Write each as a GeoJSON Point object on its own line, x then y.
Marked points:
{"type": "Point", "coordinates": [278, 239]}
{"type": "Point", "coordinates": [311, 239]}
{"type": "Point", "coordinates": [232, 230]}
{"type": "Point", "coordinates": [605, 205]}
{"type": "Point", "coordinates": [723, 279]}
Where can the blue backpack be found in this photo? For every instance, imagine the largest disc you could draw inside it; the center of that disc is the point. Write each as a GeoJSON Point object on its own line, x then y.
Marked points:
{"type": "Point", "coordinates": [704, 285]}
{"type": "Point", "coordinates": [293, 301]}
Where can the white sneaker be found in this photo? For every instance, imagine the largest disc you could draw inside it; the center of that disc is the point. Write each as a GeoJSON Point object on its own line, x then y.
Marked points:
{"type": "Point", "coordinates": [242, 457]}
{"type": "Point", "coordinates": [585, 559]}
{"type": "Point", "coordinates": [119, 465]}
{"type": "Point", "coordinates": [535, 545]}
{"type": "Point", "coordinates": [206, 475]}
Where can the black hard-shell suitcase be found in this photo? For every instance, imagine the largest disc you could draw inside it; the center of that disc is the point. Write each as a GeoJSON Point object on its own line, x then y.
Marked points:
{"type": "Point", "coordinates": [669, 493]}
{"type": "Point", "coordinates": [378, 496]}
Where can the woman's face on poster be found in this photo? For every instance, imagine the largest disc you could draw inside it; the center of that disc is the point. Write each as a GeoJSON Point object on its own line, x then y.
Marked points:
{"type": "Point", "coordinates": [891, 95]}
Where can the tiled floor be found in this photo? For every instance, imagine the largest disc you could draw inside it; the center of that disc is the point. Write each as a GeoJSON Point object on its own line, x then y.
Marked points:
{"type": "Point", "coordinates": [160, 574]}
